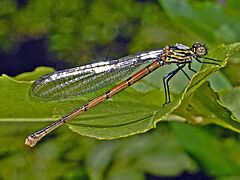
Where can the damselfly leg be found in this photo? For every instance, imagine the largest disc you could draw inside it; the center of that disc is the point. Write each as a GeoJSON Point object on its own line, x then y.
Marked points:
{"type": "Point", "coordinates": [166, 80]}
{"type": "Point", "coordinates": [190, 68]}
{"type": "Point", "coordinates": [169, 76]}
{"type": "Point", "coordinates": [207, 62]}
{"type": "Point", "coordinates": [184, 72]}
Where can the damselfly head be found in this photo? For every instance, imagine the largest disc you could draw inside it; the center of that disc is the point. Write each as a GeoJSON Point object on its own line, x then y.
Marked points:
{"type": "Point", "coordinates": [199, 49]}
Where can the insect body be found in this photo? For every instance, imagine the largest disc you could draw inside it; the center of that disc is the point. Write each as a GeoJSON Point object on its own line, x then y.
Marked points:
{"type": "Point", "coordinates": [77, 81]}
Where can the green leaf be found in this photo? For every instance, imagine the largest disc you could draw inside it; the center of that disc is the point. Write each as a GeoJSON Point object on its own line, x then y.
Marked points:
{"type": "Point", "coordinates": [219, 156]}
{"type": "Point", "coordinates": [160, 153]}
{"type": "Point", "coordinates": [132, 112]}
{"type": "Point", "coordinates": [15, 104]}
{"type": "Point", "coordinates": [206, 108]}
{"type": "Point", "coordinates": [202, 106]}
{"type": "Point", "coordinates": [100, 158]}
{"type": "Point", "coordinates": [232, 70]}
{"type": "Point", "coordinates": [192, 17]}
{"type": "Point", "coordinates": [30, 76]}
{"type": "Point", "coordinates": [128, 113]}
{"type": "Point", "coordinates": [231, 100]}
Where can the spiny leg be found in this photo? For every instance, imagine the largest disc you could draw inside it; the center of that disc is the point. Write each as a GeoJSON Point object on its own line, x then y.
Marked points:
{"type": "Point", "coordinates": [166, 79]}
{"type": "Point", "coordinates": [178, 65]}
{"type": "Point", "coordinates": [203, 62]}
{"type": "Point", "coordinates": [190, 68]}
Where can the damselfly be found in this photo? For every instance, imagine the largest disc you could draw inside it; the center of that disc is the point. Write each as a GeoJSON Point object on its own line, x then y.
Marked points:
{"type": "Point", "coordinates": [77, 81]}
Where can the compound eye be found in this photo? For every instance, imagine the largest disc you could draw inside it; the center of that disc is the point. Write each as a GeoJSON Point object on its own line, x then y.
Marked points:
{"type": "Point", "coordinates": [199, 49]}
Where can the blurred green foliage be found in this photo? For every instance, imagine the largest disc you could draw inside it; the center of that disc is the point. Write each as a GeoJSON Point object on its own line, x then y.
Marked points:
{"type": "Point", "coordinates": [75, 30]}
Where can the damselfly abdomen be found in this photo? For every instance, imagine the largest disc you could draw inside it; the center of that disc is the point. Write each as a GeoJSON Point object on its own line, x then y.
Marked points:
{"type": "Point", "coordinates": [77, 81]}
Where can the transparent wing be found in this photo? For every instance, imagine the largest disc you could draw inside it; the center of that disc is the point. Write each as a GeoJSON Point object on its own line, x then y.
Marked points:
{"type": "Point", "coordinates": [65, 84]}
